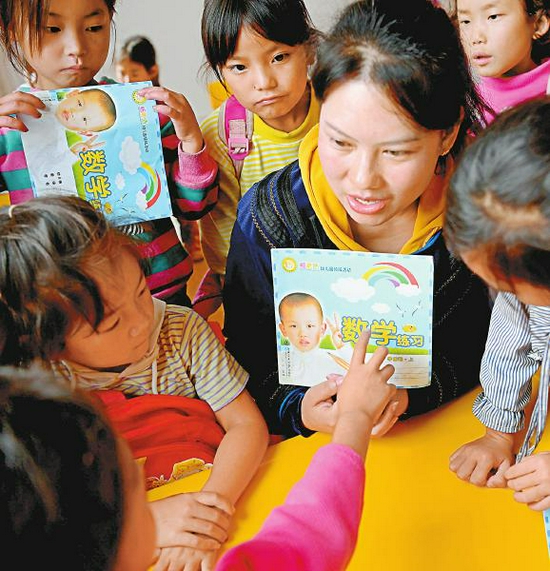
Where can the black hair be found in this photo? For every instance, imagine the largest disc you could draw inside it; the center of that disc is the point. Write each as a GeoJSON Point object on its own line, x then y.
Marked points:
{"type": "Point", "coordinates": [49, 248]}
{"type": "Point", "coordinates": [412, 52]}
{"type": "Point", "coordinates": [140, 50]}
{"type": "Point", "coordinates": [283, 21]}
{"type": "Point", "coordinates": [62, 492]}
{"type": "Point", "coordinates": [499, 197]}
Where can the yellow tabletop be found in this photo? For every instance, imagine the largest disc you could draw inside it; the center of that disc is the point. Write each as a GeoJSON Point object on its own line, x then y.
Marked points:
{"type": "Point", "coordinates": [418, 516]}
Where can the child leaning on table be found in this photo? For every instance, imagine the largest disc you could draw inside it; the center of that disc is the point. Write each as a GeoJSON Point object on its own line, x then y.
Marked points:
{"type": "Point", "coordinates": [498, 222]}
{"type": "Point", "coordinates": [51, 435]}
{"type": "Point", "coordinates": [77, 296]}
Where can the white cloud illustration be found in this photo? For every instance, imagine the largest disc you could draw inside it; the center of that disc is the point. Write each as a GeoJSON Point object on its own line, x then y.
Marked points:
{"type": "Point", "coordinates": [352, 289]}
{"type": "Point", "coordinates": [120, 181]}
{"type": "Point", "coordinates": [141, 201]}
{"type": "Point", "coordinates": [408, 290]}
{"type": "Point", "coordinates": [380, 308]}
{"type": "Point", "coordinates": [130, 155]}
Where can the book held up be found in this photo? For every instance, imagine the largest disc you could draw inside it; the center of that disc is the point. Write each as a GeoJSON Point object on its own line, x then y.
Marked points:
{"type": "Point", "coordinates": [102, 143]}
{"type": "Point", "coordinates": [324, 299]}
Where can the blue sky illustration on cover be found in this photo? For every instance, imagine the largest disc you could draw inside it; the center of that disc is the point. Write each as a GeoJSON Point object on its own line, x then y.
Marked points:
{"type": "Point", "coordinates": [103, 143]}
{"type": "Point", "coordinates": [336, 294]}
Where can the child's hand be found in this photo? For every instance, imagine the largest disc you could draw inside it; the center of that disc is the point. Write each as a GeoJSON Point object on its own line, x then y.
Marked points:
{"type": "Point", "coordinates": [19, 103]}
{"type": "Point", "coordinates": [365, 390]}
{"type": "Point", "coordinates": [476, 461]}
{"type": "Point", "coordinates": [391, 413]}
{"type": "Point", "coordinates": [531, 481]}
{"type": "Point", "coordinates": [185, 559]}
{"type": "Point", "coordinates": [199, 520]}
{"type": "Point", "coordinates": [176, 106]}
{"type": "Point", "coordinates": [335, 332]}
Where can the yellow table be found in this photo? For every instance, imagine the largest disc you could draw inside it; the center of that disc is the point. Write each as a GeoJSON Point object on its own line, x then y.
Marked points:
{"type": "Point", "coordinates": [418, 516]}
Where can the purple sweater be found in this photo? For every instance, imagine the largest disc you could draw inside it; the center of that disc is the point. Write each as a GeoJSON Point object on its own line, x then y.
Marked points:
{"type": "Point", "coordinates": [316, 528]}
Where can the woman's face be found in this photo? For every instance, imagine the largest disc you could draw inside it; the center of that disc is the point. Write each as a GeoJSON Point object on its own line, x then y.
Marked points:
{"type": "Point", "coordinates": [376, 160]}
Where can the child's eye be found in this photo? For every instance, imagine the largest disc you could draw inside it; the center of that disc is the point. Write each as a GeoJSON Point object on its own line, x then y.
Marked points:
{"type": "Point", "coordinates": [280, 57]}
{"type": "Point", "coordinates": [94, 29]}
{"type": "Point", "coordinates": [110, 328]}
{"type": "Point", "coordinates": [397, 154]}
{"type": "Point", "coordinates": [463, 22]}
{"type": "Point", "coordinates": [52, 29]}
{"type": "Point", "coordinates": [494, 16]}
{"type": "Point", "coordinates": [237, 68]}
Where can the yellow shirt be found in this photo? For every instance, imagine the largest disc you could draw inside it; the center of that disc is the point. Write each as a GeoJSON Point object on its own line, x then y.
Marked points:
{"type": "Point", "coordinates": [271, 150]}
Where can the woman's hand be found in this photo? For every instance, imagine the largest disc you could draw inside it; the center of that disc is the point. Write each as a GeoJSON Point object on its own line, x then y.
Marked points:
{"type": "Point", "coordinates": [176, 106]}
{"type": "Point", "coordinates": [390, 415]}
{"type": "Point", "coordinates": [19, 103]}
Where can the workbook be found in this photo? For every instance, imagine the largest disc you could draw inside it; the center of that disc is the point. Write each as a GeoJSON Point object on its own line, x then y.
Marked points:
{"type": "Point", "coordinates": [324, 299]}
{"type": "Point", "coordinates": [103, 144]}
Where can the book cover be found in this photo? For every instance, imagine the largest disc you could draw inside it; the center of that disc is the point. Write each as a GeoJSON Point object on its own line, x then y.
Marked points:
{"type": "Point", "coordinates": [102, 143]}
{"type": "Point", "coordinates": [324, 299]}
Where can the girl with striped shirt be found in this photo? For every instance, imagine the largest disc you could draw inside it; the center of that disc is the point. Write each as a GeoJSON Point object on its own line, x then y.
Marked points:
{"type": "Point", "coordinates": [59, 44]}
{"type": "Point", "coordinates": [498, 222]}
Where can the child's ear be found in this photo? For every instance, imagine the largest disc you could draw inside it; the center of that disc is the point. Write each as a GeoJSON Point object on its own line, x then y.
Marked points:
{"type": "Point", "coordinates": [282, 328]}
{"type": "Point", "coordinates": [153, 71]}
{"type": "Point", "coordinates": [542, 24]}
{"type": "Point", "coordinates": [450, 135]}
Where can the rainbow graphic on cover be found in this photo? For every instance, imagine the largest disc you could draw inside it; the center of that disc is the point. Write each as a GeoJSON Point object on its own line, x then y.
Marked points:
{"type": "Point", "coordinates": [324, 299]}
{"type": "Point", "coordinates": [102, 143]}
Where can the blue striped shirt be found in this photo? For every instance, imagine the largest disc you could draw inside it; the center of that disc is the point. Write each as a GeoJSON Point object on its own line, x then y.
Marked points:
{"type": "Point", "coordinates": [516, 347]}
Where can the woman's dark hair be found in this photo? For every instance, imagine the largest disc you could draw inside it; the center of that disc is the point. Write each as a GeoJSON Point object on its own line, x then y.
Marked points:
{"type": "Point", "coordinates": [283, 21]}
{"type": "Point", "coordinates": [499, 197]}
{"type": "Point", "coordinates": [412, 52]}
{"type": "Point", "coordinates": [62, 493]}
{"type": "Point", "coordinates": [19, 18]}
{"type": "Point", "coordinates": [50, 250]}
{"type": "Point", "coordinates": [140, 50]}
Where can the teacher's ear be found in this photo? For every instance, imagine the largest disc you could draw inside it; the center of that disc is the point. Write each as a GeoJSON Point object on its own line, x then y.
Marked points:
{"type": "Point", "coordinates": [449, 136]}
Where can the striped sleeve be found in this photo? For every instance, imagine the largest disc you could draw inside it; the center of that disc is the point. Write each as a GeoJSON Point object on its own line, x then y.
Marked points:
{"type": "Point", "coordinates": [216, 375]}
{"type": "Point", "coordinates": [192, 179]}
{"type": "Point", "coordinates": [510, 360]}
{"type": "Point", "coordinates": [15, 183]}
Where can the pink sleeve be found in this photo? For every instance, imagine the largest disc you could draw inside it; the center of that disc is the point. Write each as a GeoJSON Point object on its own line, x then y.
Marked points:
{"type": "Point", "coordinates": [316, 527]}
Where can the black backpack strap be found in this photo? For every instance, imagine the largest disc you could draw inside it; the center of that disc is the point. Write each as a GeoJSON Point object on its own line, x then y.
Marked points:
{"type": "Point", "coordinates": [279, 217]}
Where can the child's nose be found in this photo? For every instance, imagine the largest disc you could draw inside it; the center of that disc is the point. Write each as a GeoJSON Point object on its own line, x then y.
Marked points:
{"type": "Point", "coordinates": [263, 80]}
{"type": "Point", "coordinates": [478, 35]}
{"type": "Point", "coordinates": [74, 43]}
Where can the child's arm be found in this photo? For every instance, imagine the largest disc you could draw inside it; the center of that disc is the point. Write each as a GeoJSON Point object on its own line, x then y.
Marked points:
{"type": "Point", "coordinates": [20, 103]}
{"type": "Point", "coordinates": [530, 479]}
{"type": "Point", "coordinates": [241, 450]}
{"type": "Point", "coordinates": [484, 461]}
{"type": "Point", "coordinates": [192, 173]}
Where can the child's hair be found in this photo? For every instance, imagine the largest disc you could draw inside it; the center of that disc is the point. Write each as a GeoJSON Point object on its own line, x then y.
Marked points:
{"type": "Point", "coordinates": [62, 493]}
{"type": "Point", "coordinates": [140, 50]}
{"type": "Point", "coordinates": [25, 19]}
{"type": "Point", "coordinates": [284, 21]}
{"type": "Point", "coordinates": [499, 198]}
{"type": "Point", "coordinates": [409, 50]}
{"type": "Point", "coordinates": [295, 299]}
{"type": "Point", "coordinates": [50, 250]}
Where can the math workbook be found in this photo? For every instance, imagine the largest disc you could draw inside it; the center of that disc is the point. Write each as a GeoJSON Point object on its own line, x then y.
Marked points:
{"type": "Point", "coordinates": [103, 144]}
{"type": "Point", "coordinates": [324, 299]}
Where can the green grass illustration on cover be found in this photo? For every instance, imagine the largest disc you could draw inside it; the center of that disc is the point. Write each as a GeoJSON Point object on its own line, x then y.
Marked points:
{"type": "Point", "coordinates": [103, 143]}
{"type": "Point", "coordinates": [324, 299]}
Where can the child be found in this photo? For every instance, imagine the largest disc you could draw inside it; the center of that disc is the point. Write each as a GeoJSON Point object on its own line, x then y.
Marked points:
{"type": "Point", "coordinates": [498, 222]}
{"type": "Point", "coordinates": [87, 111]}
{"type": "Point", "coordinates": [109, 526]}
{"type": "Point", "coordinates": [78, 298]}
{"type": "Point", "coordinates": [506, 42]}
{"type": "Point", "coordinates": [137, 61]}
{"type": "Point", "coordinates": [61, 44]}
{"type": "Point", "coordinates": [71, 496]}
{"type": "Point", "coordinates": [261, 50]}
{"type": "Point", "coordinates": [302, 322]}
{"type": "Point", "coordinates": [376, 184]}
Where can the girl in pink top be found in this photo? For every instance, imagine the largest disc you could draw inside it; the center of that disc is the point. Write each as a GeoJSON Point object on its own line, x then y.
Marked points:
{"type": "Point", "coordinates": [506, 43]}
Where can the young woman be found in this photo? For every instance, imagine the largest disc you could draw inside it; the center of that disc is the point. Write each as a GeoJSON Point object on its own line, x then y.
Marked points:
{"type": "Point", "coordinates": [396, 103]}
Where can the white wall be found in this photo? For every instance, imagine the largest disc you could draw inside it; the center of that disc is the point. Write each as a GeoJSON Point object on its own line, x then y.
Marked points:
{"type": "Point", "coordinates": [175, 33]}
